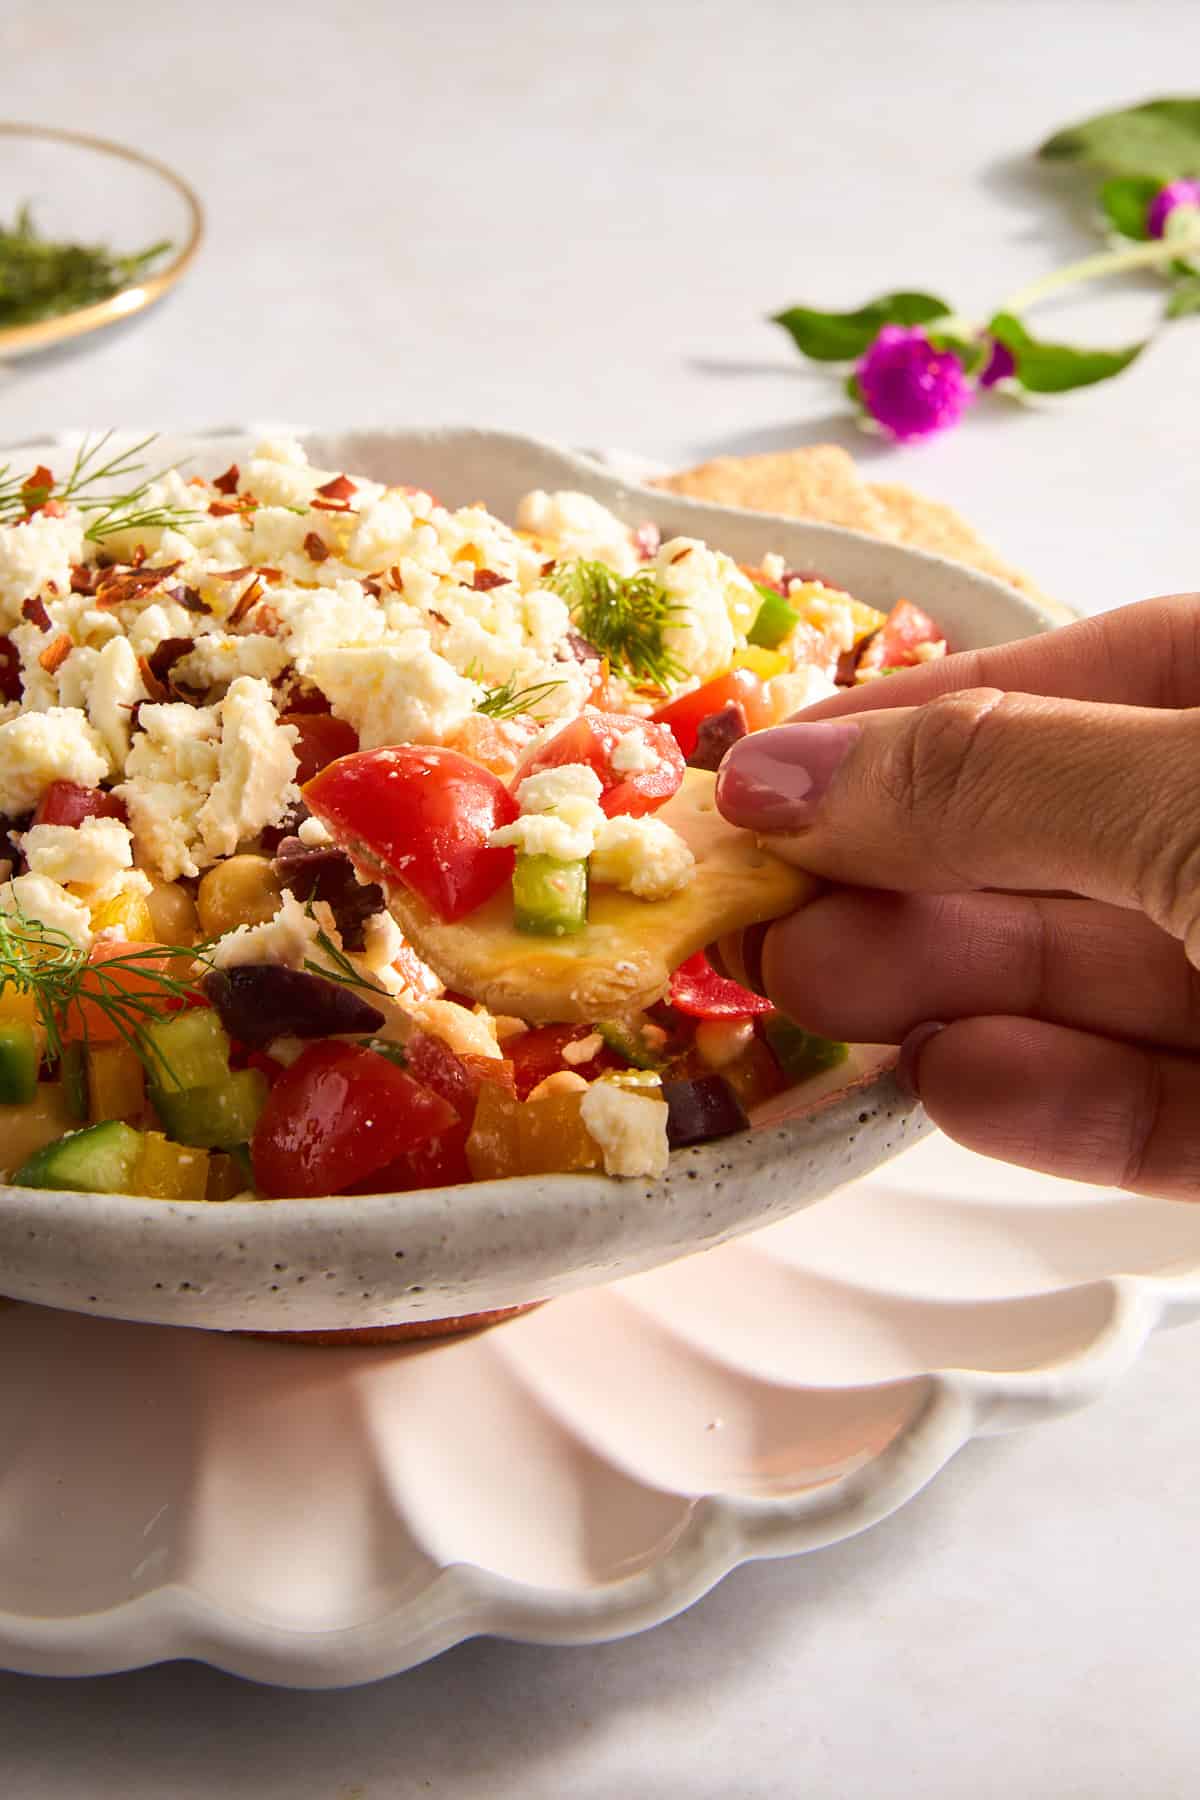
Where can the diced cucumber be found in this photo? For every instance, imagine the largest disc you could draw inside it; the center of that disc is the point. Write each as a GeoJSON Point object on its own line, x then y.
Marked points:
{"type": "Point", "coordinates": [101, 1159]}
{"type": "Point", "coordinates": [216, 1117]}
{"type": "Point", "coordinates": [18, 1062]}
{"type": "Point", "coordinates": [774, 620]}
{"type": "Point", "coordinates": [189, 1049]}
{"type": "Point", "coordinates": [627, 1040]}
{"type": "Point", "coordinates": [799, 1053]}
{"type": "Point", "coordinates": [549, 896]}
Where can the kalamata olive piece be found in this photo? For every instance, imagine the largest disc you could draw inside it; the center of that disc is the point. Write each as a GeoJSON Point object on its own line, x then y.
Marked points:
{"type": "Point", "coordinates": [257, 1002]}
{"type": "Point", "coordinates": [702, 1109]}
{"type": "Point", "coordinates": [717, 734]}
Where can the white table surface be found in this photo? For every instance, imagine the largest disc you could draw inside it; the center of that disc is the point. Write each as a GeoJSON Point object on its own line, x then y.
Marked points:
{"type": "Point", "coordinates": [572, 220]}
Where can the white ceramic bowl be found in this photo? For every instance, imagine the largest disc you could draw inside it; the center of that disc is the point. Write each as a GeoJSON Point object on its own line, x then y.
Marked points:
{"type": "Point", "coordinates": [301, 1265]}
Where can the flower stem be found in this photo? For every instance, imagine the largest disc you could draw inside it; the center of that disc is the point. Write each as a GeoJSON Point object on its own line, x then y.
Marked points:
{"type": "Point", "coordinates": [1109, 262]}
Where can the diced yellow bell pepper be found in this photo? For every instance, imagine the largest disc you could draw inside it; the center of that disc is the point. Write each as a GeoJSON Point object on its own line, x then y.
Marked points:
{"type": "Point", "coordinates": [128, 913]}
{"type": "Point", "coordinates": [493, 1147]}
{"type": "Point", "coordinates": [822, 607]}
{"type": "Point", "coordinates": [553, 1137]}
{"type": "Point", "coordinates": [167, 1171]}
{"type": "Point", "coordinates": [764, 663]}
{"type": "Point", "coordinates": [116, 1083]}
{"type": "Point", "coordinates": [17, 1005]}
{"type": "Point", "coordinates": [33, 1125]}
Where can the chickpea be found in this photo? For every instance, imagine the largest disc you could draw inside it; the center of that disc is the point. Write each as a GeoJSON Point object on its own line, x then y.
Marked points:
{"type": "Point", "coordinates": [243, 890]}
{"type": "Point", "coordinates": [172, 913]}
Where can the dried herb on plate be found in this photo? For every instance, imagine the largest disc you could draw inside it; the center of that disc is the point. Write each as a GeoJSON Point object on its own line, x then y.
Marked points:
{"type": "Point", "coordinates": [42, 278]}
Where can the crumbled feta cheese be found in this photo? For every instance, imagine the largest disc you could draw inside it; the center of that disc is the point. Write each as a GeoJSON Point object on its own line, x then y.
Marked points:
{"type": "Point", "coordinates": [313, 833]}
{"type": "Point", "coordinates": [581, 526]}
{"type": "Point", "coordinates": [290, 937]}
{"type": "Point", "coordinates": [549, 788]}
{"type": "Point", "coordinates": [114, 688]}
{"type": "Point", "coordinates": [96, 853]}
{"type": "Point", "coordinates": [560, 1081]}
{"type": "Point", "coordinates": [467, 1033]}
{"type": "Point", "coordinates": [583, 1049]}
{"type": "Point", "coordinates": [772, 566]}
{"type": "Point", "coordinates": [931, 652]}
{"type": "Point", "coordinates": [630, 1129]}
{"type": "Point", "coordinates": [256, 769]}
{"type": "Point", "coordinates": [642, 857]}
{"type": "Point", "coordinates": [37, 897]}
{"type": "Point", "coordinates": [634, 754]}
{"type": "Point", "coordinates": [219, 658]}
{"type": "Point", "coordinates": [700, 635]}
{"type": "Point", "coordinates": [36, 556]}
{"type": "Point", "coordinates": [792, 691]}
{"type": "Point", "coordinates": [37, 748]}
{"type": "Point", "coordinates": [399, 693]}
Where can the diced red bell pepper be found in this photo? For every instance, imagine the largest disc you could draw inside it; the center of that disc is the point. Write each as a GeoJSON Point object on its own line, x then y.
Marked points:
{"type": "Point", "coordinates": [69, 803]}
{"type": "Point", "coordinates": [697, 989]}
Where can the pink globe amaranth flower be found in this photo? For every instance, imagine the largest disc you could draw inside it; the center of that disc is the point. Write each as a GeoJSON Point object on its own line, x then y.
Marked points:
{"type": "Point", "coordinates": [908, 387]}
{"type": "Point", "coordinates": [1185, 192]}
{"type": "Point", "coordinates": [1001, 365]}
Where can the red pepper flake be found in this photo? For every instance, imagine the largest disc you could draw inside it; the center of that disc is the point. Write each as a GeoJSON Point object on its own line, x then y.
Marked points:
{"type": "Point", "coordinates": [227, 483]}
{"type": "Point", "coordinates": [272, 576]}
{"type": "Point", "coordinates": [10, 670]}
{"type": "Point", "coordinates": [36, 488]}
{"type": "Point", "coordinates": [315, 547]}
{"type": "Point", "coordinates": [83, 579]}
{"type": "Point", "coordinates": [680, 554]}
{"type": "Point", "coordinates": [548, 567]}
{"type": "Point", "coordinates": [189, 598]}
{"type": "Point", "coordinates": [231, 574]}
{"type": "Point", "coordinates": [156, 692]}
{"type": "Point", "coordinates": [332, 506]}
{"type": "Point", "coordinates": [223, 509]}
{"type": "Point", "coordinates": [267, 621]}
{"type": "Point", "coordinates": [162, 660]}
{"type": "Point", "coordinates": [54, 509]}
{"type": "Point", "coordinates": [117, 587]}
{"type": "Point", "coordinates": [55, 654]}
{"type": "Point", "coordinates": [245, 602]}
{"type": "Point", "coordinates": [374, 588]}
{"type": "Point", "coordinates": [34, 609]}
{"type": "Point", "coordinates": [396, 578]}
{"type": "Point", "coordinates": [340, 488]}
{"type": "Point", "coordinates": [489, 578]}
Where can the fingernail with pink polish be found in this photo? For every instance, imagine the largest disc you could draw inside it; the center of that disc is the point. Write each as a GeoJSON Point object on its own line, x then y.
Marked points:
{"type": "Point", "coordinates": [775, 780]}
{"type": "Point", "coordinates": [908, 1069]}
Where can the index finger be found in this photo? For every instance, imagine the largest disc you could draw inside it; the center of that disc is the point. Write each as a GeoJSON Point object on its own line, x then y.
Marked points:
{"type": "Point", "coordinates": [1147, 654]}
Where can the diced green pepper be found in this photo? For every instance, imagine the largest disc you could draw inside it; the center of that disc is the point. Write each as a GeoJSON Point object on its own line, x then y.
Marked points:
{"type": "Point", "coordinates": [627, 1040]}
{"type": "Point", "coordinates": [774, 620]}
{"type": "Point", "coordinates": [219, 1116]}
{"type": "Point", "coordinates": [799, 1053]}
{"type": "Point", "coordinates": [101, 1159]}
{"type": "Point", "coordinates": [189, 1049]}
{"type": "Point", "coordinates": [18, 1062]}
{"type": "Point", "coordinates": [549, 896]}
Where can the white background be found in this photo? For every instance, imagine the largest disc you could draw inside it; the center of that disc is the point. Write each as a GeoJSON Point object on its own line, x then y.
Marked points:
{"type": "Point", "coordinates": [573, 220]}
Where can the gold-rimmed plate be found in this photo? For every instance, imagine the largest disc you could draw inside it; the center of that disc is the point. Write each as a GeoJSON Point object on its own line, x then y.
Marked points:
{"type": "Point", "coordinates": [86, 190]}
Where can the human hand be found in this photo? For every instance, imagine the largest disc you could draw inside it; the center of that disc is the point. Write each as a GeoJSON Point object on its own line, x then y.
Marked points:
{"type": "Point", "coordinates": [1013, 836]}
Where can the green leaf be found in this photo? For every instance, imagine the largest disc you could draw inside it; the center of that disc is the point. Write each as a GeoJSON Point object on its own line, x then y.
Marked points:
{"type": "Point", "coordinates": [1125, 201]}
{"type": "Point", "coordinates": [841, 337]}
{"type": "Point", "coordinates": [1184, 298]}
{"type": "Point", "coordinates": [1159, 139]}
{"type": "Point", "coordinates": [1057, 368]}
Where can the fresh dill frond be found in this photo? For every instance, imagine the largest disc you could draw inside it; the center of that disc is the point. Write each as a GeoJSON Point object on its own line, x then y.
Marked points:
{"type": "Point", "coordinates": [624, 618]}
{"type": "Point", "coordinates": [339, 967]}
{"type": "Point", "coordinates": [39, 960]}
{"type": "Point", "coordinates": [43, 278]}
{"type": "Point", "coordinates": [108, 508]}
{"type": "Point", "coordinates": [508, 700]}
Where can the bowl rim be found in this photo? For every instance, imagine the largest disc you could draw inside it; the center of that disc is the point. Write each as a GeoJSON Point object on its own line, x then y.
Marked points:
{"type": "Point", "coordinates": [42, 334]}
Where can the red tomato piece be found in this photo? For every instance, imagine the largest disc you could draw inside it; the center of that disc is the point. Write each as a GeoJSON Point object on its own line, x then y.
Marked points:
{"type": "Point", "coordinates": [339, 1114]}
{"type": "Point", "coordinates": [893, 644]}
{"type": "Point", "coordinates": [591, 739]}
{"type": "Point", "coordinates": [420, 815]}
{"type": "Point", "coordinates": [684, 717]}
{"type": "Point", "coordinates": [440, 1162]}
{"type": "Point", "coordinates": [68, 803]}
{"type": "Point", "coordinates": [538, 1053]}
{"type": "Point", "coordinates": [697, 989]}
{"type": "Point", "coordinates": [432, 1062]}
{"type": "Point", "coordinates": [320, 740]}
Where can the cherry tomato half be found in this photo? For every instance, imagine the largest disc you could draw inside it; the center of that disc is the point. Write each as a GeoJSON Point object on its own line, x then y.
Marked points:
{"type": "Point", "coordinates": [684, 716]}
{"type": "Point", "coordinates": [697, 989]}
{"type": "Point", "coordinates": [339, 1114]}
{"type": "Point", "coordinates": [419, 815]}
{"type": "Point", "coordinates": [592, 739]}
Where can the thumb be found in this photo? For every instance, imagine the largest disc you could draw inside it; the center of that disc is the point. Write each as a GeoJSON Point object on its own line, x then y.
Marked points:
{"type": "Point", "coordinates": [985, 789]}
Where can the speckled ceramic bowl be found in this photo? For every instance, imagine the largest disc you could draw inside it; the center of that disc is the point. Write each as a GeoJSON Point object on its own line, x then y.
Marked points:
{"type": "Point", "coordinates": [381, 1259]}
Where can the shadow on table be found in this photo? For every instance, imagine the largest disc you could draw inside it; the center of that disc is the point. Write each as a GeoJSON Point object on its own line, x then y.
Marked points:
{"type": "Point", "coordinates": [487, 1717]}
